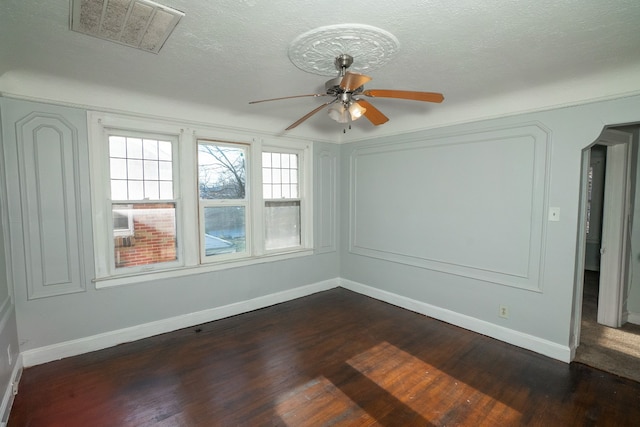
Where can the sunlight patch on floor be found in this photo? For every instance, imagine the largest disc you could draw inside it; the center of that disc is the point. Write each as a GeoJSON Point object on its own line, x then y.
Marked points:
{"type": "Point", "coordinates": [617, 340]}
{"type": "Point", "coordinates": [320, 402]}
{"type": "Point", "coordinates": [415, 383]}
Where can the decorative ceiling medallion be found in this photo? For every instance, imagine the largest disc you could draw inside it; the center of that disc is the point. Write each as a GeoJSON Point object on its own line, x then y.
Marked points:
{"type": "Point", "coordinates": [316, 50]}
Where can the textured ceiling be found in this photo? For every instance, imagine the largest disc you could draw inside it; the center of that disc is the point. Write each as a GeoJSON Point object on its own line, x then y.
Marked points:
{"type": "Point", "coordinates": [488, 57]}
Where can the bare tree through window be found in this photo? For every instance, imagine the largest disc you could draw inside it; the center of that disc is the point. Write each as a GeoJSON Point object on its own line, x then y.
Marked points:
{"type": "Point", "coordinates": [221, 172]}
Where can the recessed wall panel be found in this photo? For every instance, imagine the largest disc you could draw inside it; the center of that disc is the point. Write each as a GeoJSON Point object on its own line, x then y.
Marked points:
{"type": "Point", "coordinates": [327, 193]}
{"type": "Point", "coordinates": [469, 205]}
{"type": "Point", "coordinates": [47, 150]}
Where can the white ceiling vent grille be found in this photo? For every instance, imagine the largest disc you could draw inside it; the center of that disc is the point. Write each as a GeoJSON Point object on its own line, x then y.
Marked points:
{"type": "Point", "coordinates": [142, 24]}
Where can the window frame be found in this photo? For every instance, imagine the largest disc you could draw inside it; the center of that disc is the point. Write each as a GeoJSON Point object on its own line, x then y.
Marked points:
{"type": "Point", "coordinates": [104, 233]}
{"type": "Point", "coordinates": [186, 194]}
{"type": "Point", "coordinates": [302, 196]}
{"type": "Point", "coordinates": [245, 203]}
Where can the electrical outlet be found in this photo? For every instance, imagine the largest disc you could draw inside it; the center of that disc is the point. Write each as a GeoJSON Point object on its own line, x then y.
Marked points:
{"type": "Point", "coordinates": [503, 312]}
{"type": "Point", "coordinates": [9, 354]}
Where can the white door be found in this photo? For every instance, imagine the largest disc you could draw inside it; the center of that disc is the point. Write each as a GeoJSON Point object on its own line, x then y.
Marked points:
{"type": "Point", "coordinates": [615, 228]}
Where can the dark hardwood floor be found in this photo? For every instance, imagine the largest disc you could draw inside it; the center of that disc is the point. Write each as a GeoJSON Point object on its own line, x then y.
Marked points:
{"type": "Point", "coordinates": [333, 358]}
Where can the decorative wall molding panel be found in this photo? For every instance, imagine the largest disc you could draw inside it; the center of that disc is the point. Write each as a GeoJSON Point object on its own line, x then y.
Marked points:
{"type": "Point", "coordinates": [472, 204]}
{"type": "Point", "coordinates": [6, 308]}
{"type": "Point", "coordinates": [47, 147]}
{"type": "Point", "coordinates": [326, 191]}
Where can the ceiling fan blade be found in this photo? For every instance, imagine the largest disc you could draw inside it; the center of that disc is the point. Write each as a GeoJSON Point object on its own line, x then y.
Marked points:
{"type": "Point", "coordinates": [309, 114]}
{"type": "Point", "coordinates": [288, 97]}
{"type": "Point", "coordinates": [352, 81]}
{"type": "Point", "coordinates": [405, 94]}
{"type": "Point", "coordinates": [372, 113]}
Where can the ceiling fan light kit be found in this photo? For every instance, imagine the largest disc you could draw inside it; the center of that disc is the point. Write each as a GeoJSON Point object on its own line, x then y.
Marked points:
{"type": "Point", "coordinates": [374, 46]}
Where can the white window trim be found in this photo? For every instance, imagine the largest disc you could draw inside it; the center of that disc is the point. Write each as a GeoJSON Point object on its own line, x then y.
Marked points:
{"type": "Point", "coordinates": [187, 198]}
{"type": "Point", "coordinates": [304, 193]}
{"type": "Point", "coordinates": [246, 203]}
{"type": "Point", "coordinates": [100, 126]}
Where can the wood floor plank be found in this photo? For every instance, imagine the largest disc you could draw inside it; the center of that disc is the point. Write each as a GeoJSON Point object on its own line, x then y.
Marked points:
{"type": "Point", "coordinates": [333, 358]}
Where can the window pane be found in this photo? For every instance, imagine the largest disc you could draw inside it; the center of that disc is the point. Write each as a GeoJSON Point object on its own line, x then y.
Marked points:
{"type": "Point", "coordinates": [224, 230]}
{"type": "Point", "coordinates": [266, 160]}
{"type": "Point", "coordinates": [266, 176]}
{"type": "Point", "coordinates": [136, 191]}
{"type": "Point", "coordinates": [150, 170]}
{"type": "Point", "coordinates": [134, 169]}
{"type": "Point", "coordinates": [118, 189]}
{"type": "Point", "coordinates": [165, 171]}
{"type": "Point", "coordinates": [150, 149]}
{"type": "Point", "coordinates": [221, 171]}
{"type": "Point", "coordinates": [164, 150]}
{"type": "Point", "coordinates": [166, 190]}
{"type": "Point", "coordinates": [282, 225]}
{"type": "Point", "coordinates": [117, 146]}
{"type": "Point", "coordinates": [118, 168]}
{"type": "Point", "coordinates": [266, 191]}
{"type": "Point", "coordinates": [151, 190]}
{"type": "Point", "coordinates": [152, 234]}
{"type": "Point", "coordinates": [134, 148]}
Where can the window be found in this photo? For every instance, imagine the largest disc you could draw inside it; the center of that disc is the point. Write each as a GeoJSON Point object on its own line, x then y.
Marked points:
{"type": "Point", "coordinates": [123, 221]}
{"type": "Point", "coordinates": [222, 189]}
{"type": "Point", "coordinates": [281, 195]}
{"type": "Point", "coordinates": [171, 199]}
{"type": "Point", "coordinates": [143, 209]}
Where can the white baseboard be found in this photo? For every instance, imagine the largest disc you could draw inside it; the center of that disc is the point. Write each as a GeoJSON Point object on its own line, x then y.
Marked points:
{"type": "Point", "coordinates": [519, 339]}
{"type": "Point", "coordinates": [58, 351]}
{"type": "Point", "coordinates": [109, 339]}
{"type": "Point", "coordinates": [7, 399]}
{"type": "Point", "coordinates": [633, 318]}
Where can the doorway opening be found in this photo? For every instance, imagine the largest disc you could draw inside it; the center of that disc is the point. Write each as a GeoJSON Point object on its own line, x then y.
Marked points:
{"type": "Point", "coordinates": [605, 255]}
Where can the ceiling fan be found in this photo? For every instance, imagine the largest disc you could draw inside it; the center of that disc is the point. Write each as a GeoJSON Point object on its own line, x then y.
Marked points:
{"type": "Point", "coordinates": [346, 89]}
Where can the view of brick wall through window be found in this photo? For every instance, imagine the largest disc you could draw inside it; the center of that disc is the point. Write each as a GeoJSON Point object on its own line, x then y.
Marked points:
{"type": "Point", "coordinates": [153, 239]}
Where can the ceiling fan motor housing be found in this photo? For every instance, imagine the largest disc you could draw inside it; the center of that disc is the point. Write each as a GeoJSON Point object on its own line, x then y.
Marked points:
{"type": "Point", "coordinates": [343, 62]}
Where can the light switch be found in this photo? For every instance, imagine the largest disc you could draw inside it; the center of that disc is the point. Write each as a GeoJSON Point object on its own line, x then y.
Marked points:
{"type": "Point", "coordinates": [554, 214]}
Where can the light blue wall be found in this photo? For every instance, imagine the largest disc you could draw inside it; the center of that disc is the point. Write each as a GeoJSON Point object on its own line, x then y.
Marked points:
{"type": "Point", "coordinates": [67, 317]}
{"type": "Point", "coordinates": [455, 196]}
{"type": "Point", "coordinates": [8, 327]}
{"type": "Point", "coordinates": [455, 218]}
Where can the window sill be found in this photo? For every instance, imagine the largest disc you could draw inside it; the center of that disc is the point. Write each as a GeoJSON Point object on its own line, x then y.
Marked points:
{"type": "Point", "coordinates": [147, 276]}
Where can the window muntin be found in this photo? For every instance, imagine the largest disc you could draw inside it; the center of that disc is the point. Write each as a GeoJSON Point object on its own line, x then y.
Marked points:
{"type": "Point", "coordinates": [140, 168]}
{"type": "Point", "coordinates": [282, 202]}
{"type": "Point", "coordinates": [279, 175]}
{"type": "Point", "coordinates": [141, 171]}
{"type": "Point", "coordinates": [224, 205]}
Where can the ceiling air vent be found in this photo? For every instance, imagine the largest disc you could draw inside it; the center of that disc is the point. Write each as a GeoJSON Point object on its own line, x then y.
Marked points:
{"type": "Point", "coordinates": [142, 24]}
